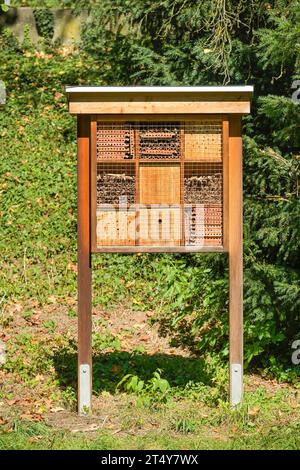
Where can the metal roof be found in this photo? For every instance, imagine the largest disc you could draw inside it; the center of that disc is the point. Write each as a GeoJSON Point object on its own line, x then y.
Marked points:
{"type": "Point", "coordinates": [159, 89]}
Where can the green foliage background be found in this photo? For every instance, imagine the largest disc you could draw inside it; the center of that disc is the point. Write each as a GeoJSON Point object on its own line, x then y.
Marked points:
{"type": "Point", "coordinates": [160, 43]}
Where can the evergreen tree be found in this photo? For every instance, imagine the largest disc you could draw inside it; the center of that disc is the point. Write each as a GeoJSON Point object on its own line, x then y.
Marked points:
{"type": "Point", "coordinates": [176, 42]}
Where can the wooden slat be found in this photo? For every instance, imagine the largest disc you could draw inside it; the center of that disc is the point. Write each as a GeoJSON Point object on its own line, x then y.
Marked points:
{"type": "Point", "coordinates": [160, 249]}
{"type": "Point", "coordinates": [161, 117]}
{"type": "Point", "coordinates": [159, 103]}
{"type": "Point", "coordinates": [116, 161]}
{"type": "Point", "coordinates": [153, 97]}
{"type": "Point", "coordinates": [159, 107]}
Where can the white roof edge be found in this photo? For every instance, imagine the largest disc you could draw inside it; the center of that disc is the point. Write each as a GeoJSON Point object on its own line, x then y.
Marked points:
{"type": "Point", "coordinates": [158, 89]}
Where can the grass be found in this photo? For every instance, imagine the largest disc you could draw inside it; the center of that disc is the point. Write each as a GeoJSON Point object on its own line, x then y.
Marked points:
{"type": "Point", "coordinates": [258, 424]}
{"type": "Point", "coordinates": [168, 401]}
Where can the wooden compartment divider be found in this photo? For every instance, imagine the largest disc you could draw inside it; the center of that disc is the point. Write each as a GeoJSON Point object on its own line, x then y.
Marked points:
{"type": "Point", "coordinates": [137, 188]}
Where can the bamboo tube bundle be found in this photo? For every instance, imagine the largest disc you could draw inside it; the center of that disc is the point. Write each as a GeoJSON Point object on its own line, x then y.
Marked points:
{"type": "Point", "coordinates": [113, 188]}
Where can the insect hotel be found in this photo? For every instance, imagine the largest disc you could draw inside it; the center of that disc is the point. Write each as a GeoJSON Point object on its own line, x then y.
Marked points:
{"type": "Point", "coordinates": [159, 170]}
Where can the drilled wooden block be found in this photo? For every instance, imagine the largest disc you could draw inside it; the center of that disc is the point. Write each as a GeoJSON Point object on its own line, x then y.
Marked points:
{"type": "Point", "coordinates": [159, 226]}
{"type": "Point", "coordinates": [115, 141]}
{"type": "Point", "coordinates": [201, 229]}
{"type": "Point", "coordinates": [116, 227]}
{"type": "Point", "coordinates": [203, 141]}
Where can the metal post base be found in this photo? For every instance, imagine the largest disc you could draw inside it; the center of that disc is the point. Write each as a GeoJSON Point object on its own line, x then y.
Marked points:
{"type": "Point", "coordinates": [84, 406]}
{"type": "Point", "coordinates": [236, 384]}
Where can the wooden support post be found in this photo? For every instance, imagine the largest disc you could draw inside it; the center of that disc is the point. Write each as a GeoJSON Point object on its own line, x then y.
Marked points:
{"type": "Point", "coordinates": [225, 182]}
{"type": "Point", "coordinates": [182, 161]}
{"type": "Point", "coordinates": [84, 268]}
{"type": "Point", "coordinates": [235, 229]}
{"type": "Point", "coordinates": [137, 188]}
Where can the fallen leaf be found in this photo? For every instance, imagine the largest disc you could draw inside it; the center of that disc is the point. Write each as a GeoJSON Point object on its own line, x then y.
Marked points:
{"type": "Point", "coordinates": [72, 267]}
{"type": "Point", "coordinates": [48, 403]}
{"type": "Point", "coordinates": [254, 411]}
{"type": "Point", "coordinates": [34, 320]}
{"type": "Point", "coordinates": [58, 95]}
{"type": "Point", "coordinates": [17, 308]}
{"type": "Point", "coordinates": [155, 350]}
{"type": "Point", "coordinates": [150, 314]}
{"type": "Point", "coordinates": [116, 431]}
{"type": "Point", "coordinates": [71, 301]}
{"type": "Point", "coordinates": [35, 438]}
{"type": "Point", "coordinates": [57, 409]}
{"type": "Point", "coordinates": [92, 427]}
{"type": "Point", "coordinates": [32, 417]}
{"type": "Point", "coordinates": [40, 377]}
{"type": "Point", "coordinates": [144, 338]}
{"type": "Point", "coordinates": [66, 51]}
{"type": "Point", "coordinates": [3, 421]}
{"type": "Point", "coordinates": [4, 336]}
{"type": "Point", "coordinates": [11, 402]}
{"type": "Point", "coordinates": [251, 424]}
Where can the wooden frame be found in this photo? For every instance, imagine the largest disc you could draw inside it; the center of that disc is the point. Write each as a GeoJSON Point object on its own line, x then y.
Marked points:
{"type": "Point", "coordinates": [161, 118]}
{"type": "Point", "coordinates": [159, 104]}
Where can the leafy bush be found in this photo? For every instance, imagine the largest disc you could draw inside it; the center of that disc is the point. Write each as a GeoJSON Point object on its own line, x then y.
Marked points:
{"type": "Point", "coordinates": [155, 391]}
{"type": "Point", "coordinates": [44, 20]}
